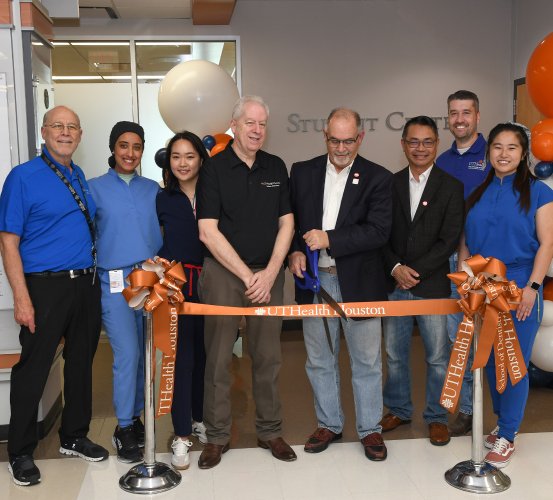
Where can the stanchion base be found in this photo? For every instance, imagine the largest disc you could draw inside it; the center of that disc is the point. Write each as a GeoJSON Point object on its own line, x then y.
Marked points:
{"type": "Point", "coordinates": [477, 478]}
{"type": "Point", "coordinates": [146, 479]}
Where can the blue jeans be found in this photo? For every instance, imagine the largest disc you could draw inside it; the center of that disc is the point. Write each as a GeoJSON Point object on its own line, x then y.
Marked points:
{"type": "Point", "coordinates": [398, 333]}
{"type": "Point", "coordinates": [453, 320]}
{"type": "Point", "coordinates": [363, 339]}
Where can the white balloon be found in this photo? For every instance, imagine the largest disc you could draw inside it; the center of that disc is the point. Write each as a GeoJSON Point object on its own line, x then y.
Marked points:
{"type": "Point", "coordinates": [197, 96]}
{"type": "Point", "coordinates": [547, 314]}
{"type": "Point", "coordinates": [542, 351]}
{"type": "Point", "coordinates": [550, 270]}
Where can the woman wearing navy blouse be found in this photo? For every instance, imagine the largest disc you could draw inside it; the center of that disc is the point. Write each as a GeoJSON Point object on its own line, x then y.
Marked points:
{"type": "Point", "coordinates": [176, 211]}
{"type": "Point", "coordinates": [510, 217]}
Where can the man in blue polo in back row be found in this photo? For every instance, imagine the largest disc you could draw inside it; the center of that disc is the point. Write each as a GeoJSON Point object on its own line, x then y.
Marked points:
{"type": "Point", "coordinates": [46, 240]}
{"type": "Point", "coordinates": [466, 161]}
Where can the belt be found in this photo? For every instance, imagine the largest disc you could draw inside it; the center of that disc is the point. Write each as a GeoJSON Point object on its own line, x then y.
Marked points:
{"type": "Point", "coordinates": [192, 268]}
{"type": "Point", "coordinates": [71, 273]}
{"type": "Point", "coordinates": [329, 270]}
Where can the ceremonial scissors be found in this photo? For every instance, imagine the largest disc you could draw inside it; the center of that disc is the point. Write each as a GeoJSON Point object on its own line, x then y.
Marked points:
{"type": "Point", "coordinates": [311, 281]}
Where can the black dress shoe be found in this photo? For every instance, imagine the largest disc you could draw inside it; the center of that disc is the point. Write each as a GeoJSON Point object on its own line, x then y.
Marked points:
{"type": "Point", "coordinates": [461, 425]}
{"type": "Point", "coordinates": [211, 455]}
{"type": "Point", "coordinates": [320, 439]}
{"type": "Point", "coordinates": [280, 449]}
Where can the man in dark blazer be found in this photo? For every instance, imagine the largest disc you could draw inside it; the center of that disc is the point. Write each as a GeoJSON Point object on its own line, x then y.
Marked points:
{"type": "Point", "coordinates": [427, 223]}
{"type": "Point", "coordinates": [342, 205]}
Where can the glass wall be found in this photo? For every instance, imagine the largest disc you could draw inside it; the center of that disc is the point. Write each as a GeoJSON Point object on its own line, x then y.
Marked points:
{"type": "Point", "coordinates": [111, 80]}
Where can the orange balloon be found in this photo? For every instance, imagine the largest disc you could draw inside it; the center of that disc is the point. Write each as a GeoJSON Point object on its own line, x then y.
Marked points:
{"type": "Point", "coordinates": [548, 291]}
{"type": "Point", "coordinates": [542, 146]}
{"type": "Point", "coordinates": [539, 76]}
{"type": "Point", "coordinates": [222, 138]}
{"type": "Point", "coordinates": [545, 125]}
{"type": "Point", "coordinates": [217, 148]}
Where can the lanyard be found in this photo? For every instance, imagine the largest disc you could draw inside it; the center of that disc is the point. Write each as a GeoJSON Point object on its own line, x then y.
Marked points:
{"type": "Point", "coordinates": [82, 205]}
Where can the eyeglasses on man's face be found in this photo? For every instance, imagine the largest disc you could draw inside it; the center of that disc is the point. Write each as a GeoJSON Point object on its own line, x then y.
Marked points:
{"type": "Point", "coordinates": [72, 128]}
{"type": "Point", "coordinates": [336, 142]}
{"type": "Point", "coordinates": [415, 143]}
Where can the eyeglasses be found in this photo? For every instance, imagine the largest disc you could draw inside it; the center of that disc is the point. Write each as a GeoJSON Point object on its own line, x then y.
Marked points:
{"type": "Point", "coordinates": [60, 127]}
{"type": "Point", "coordinates": [336, 142]}
{"type": "Point", "coordinates": [415, 143]}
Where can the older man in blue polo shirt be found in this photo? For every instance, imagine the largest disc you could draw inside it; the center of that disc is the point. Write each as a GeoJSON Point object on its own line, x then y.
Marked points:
{"type": "Point", "coordinates": [46, 240]}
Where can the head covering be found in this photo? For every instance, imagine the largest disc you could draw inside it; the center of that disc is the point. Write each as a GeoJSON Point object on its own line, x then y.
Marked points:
{"type": "Point", "coordinates": [117, 131]}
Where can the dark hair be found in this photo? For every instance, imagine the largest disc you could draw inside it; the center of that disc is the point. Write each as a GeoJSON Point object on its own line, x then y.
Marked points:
{"type": "Point", "coordinates": [425, 121]}
{"type": "Point", "coordinates": [117, 131]}
{"type": "Point", "coordinates": [523, 176]}
{"type": "Point", "coordinates": [464, 95]}
{"type": "Point", "coordinates": [170, 181]}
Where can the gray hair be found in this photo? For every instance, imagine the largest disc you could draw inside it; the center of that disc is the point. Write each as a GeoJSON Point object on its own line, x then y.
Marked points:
{"type": "Point", "coordinates": [46, 116]}
{"type": "Point", "coordinates": [345, 113]}
{"type": "Point", "coordinates": [238, 109]}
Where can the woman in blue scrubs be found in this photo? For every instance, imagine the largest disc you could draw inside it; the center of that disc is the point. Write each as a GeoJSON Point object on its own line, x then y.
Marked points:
{"type": "Point", "coordinates": [176, 210]}
{"type": "Point", "coordinates": [510, 217]}
{"type": "Point", "coordinates": [127, 233]}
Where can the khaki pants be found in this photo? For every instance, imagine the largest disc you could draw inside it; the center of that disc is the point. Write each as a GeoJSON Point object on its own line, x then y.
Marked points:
{"type": "Point", "coordinates": [218, 286]}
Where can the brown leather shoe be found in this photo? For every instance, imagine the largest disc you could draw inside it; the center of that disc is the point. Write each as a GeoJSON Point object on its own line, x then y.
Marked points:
{"type": "Point", "coordinates": [461, 425]}
{"type": "Point", "coordinates": [211, 455]}
{"type": "Point", "coordinates": [375, 449]}
{"type": "Point", "coordinates": [439, 435]}
{"type": "Point", "coordinates": [389, 422]}
{"type": "Point", "coordinates": [279, 448]}
{"type": "Point", "coordinates": [320, 439]}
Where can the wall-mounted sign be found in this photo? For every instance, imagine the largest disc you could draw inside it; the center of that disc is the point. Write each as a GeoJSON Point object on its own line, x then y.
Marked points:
{"type": "Point", "coordinates": [392, 121]}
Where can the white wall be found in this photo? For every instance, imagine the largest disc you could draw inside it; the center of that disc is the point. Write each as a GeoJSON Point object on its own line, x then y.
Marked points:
{"type": "Point", "coordinates": [113, 100]}
{"type": "Point", "coordinates": [380, 57]}
{"type": "Point", "coordinates": [532, 22]}
{"type": "Point", "coordinates": [376, 56]}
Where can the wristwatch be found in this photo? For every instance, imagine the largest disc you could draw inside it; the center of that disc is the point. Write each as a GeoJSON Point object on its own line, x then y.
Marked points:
{"type": "Point", "coordinates": [533, 285]}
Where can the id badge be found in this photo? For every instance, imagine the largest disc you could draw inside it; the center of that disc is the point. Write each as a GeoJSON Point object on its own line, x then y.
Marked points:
{"type": "Point", "coordinates": [116, 281]}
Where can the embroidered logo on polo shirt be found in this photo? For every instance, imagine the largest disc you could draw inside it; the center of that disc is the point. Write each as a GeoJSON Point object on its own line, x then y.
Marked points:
{"type": "Point", "coordinates": [271, 184]}
{"type": "Point", "coordinates": [477, 165]}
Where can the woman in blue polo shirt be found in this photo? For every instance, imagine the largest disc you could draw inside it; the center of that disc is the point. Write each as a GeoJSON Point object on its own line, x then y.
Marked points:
{"type": "Point", "coordinates": [176, 210]}
{"type": "Point", "coordinates": [127, 233]}
{"type": "Point", "coordinates": [510, 217]}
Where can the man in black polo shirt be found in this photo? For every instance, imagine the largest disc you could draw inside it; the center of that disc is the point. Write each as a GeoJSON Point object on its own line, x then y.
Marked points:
{"type": "Point", "coordinates": [246, 223]}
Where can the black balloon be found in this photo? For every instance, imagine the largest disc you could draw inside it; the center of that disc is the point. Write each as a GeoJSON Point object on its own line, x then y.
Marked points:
{"type": "Point", "coordinates": [160, 157]}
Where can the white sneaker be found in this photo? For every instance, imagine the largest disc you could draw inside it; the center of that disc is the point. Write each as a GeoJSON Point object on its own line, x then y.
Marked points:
{"type": "Point", "coordinates": [501, 453]}
{"type": "Point", "coordinates": [492, 437]}
{"type": "Point", "coordinates": [199, 430]}
{"type": "Point", "coordinates": [181, 456]}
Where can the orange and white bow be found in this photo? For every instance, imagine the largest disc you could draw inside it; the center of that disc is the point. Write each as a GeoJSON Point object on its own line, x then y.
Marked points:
{"type": "Point", "coordinates": [156, 287]}
{"type": "Point", "coordinates": [485, 292]}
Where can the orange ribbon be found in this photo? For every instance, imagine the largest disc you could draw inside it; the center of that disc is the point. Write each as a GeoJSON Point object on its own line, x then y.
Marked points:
{"type": "Point", "coordinates": [485, 292]}
{"type": "Point", "coordinates": [157, 288]}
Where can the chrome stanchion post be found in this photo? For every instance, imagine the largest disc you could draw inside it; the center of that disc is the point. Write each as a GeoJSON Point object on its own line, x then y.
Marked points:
{"type": "Point", "coordinates": [475, 475]}
{"type": "Point", "coordinates": [149, 476]}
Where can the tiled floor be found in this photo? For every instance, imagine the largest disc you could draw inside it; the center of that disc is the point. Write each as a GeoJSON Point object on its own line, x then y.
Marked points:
{"type": "Point", "coordinates": [414, 468]}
